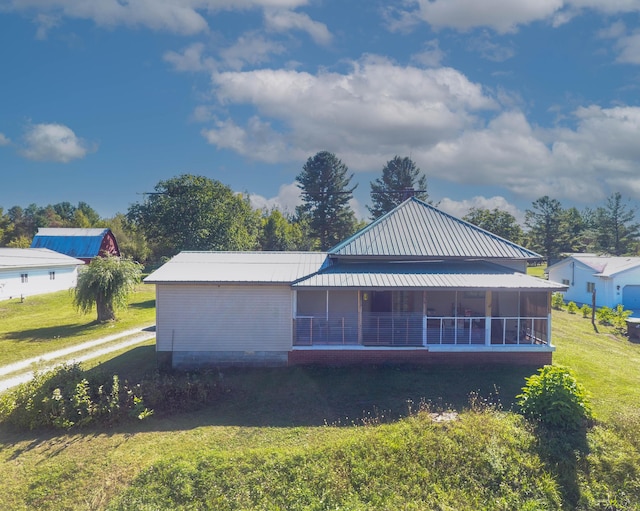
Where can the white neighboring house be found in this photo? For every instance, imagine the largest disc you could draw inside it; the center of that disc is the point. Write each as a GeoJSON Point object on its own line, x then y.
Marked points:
{"type": "Point", "coordinates": [616, 280]}
{"type": "Point", "coordinates": [35, 271]}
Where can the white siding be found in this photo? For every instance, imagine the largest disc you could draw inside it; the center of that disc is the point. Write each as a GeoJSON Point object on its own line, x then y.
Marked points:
{"type": "Point", "coordinates": [38, 281]}
{"type": "Point", "coordinates": [210, 317]}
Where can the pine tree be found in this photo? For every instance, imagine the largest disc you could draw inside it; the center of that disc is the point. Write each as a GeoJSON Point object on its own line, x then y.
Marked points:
{"type": "Point", "coordinates": [400, 180]}
{"type": "Point", "coordinates": [326, 192]}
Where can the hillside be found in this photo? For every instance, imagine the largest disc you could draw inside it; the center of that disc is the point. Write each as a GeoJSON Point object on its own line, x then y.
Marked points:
{"type": "Point", "coordinates": [362, 438]}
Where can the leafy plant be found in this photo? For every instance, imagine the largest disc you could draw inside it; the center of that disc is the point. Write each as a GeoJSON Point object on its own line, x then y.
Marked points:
{"type": "Point", "coordinates": [572, 308]}
{"type": "Point", "coordinates": [557, 301]}
{"type": "Point", "coordinates": [555, 398]}
{"type": "Point", "coordinates": [586, 311]}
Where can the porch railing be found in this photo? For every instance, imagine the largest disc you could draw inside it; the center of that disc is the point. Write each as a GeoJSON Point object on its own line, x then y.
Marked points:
{"type": "Point", "coordinates": [413, 329]}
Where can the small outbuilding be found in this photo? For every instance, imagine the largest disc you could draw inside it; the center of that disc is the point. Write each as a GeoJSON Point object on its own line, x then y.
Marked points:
{"type": "Point", "coordinates": [84, 244]}
{"type": "Point", "coordinates": [35, 271]}
{"type": "Point", "coordinates": [416, 286]}
{"type": "Point", "coordinates": [615, 280]}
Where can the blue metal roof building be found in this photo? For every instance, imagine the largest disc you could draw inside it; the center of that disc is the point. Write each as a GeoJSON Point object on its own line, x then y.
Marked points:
{"type": "Point", "coordinates": [84, 244]}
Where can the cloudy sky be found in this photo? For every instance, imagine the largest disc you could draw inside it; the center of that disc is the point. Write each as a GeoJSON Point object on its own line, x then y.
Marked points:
{"type": "Point", "coordinates": [498, 102]}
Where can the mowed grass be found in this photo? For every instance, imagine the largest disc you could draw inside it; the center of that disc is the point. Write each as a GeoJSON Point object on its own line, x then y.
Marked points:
{"type": "Point", "coordinates": [49, 322]}
{"type": "Point", "coordinates": [322, 438]}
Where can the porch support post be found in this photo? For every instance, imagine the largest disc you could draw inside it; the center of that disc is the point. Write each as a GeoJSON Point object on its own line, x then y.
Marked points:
{"type": "Point", "coordinates": [549, 343]}
{"type": "Point", "coordinates": [487, 318]}
{"type": "Point", "coordinates": [327, 308]}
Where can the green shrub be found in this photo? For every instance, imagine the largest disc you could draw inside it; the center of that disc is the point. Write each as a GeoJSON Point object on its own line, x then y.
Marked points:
{"type": "Point", "coordinates": [554, 398]}
{"type": "Point", "coordinates": [605, 315]}
{"type": "Point", "coordinates": [66, 397]}
{"type": "Point", "coordinates": [586, 311]}
{"type": "Point", "coordinates": [572, 308]}
{"type": "Point", "coordinates": [557, 301]}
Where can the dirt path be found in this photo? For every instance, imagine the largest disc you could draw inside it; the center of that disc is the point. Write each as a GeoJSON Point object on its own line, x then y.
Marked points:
{"type": "Point", "coordinates": [21, 371]}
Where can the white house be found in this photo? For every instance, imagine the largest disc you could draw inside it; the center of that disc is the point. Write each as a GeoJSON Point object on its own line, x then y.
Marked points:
{"type": "Point", "coordinates": [415, 286]}
{"type": "Point", "coordinates": [34, 271]}
{"type": "Point", "coordinates": [616, 280]}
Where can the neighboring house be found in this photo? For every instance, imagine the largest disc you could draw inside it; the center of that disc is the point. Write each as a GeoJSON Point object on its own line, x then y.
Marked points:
{"type": "Point", "coordinates": [616, 280]}
{"type": "Point", "coordinates": [34, 271]}
{"type": "Point", "coordinates": [415, 286]}
{"type": "Point", "coordinates": [80, 243]}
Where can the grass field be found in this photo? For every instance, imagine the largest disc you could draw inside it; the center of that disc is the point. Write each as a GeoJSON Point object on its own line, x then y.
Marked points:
{"type": "Point", "coordinates": [50, 322]}
{"type": "Point", "coordinates": [321, 438]}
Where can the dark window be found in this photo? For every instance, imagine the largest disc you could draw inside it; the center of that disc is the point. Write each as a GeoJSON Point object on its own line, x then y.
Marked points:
{"type": "Point", "coordinates": [591, 287]}
{"type": "Point", "coordinates": [24, 277]}
{"type": "Point", "coordinates": [52, 275]}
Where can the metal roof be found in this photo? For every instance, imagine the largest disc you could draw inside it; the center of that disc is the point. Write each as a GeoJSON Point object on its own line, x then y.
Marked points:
{"type": "Point", "coordinates": [14, 258]}
{"type": "Point", "coordinates": [607, 266]}
{"type": "Point", "coordinates": [75, 242]}
{"type": "Point", "coordinates": [238, 267]}
{"type": "Point", "coordinates": [417, 230]}
{"type": "Point", "coordinates": [426, 275]}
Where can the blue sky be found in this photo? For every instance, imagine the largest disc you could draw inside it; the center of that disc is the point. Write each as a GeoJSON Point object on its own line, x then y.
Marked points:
{"type": "Point", "coordinates": [498, 102]}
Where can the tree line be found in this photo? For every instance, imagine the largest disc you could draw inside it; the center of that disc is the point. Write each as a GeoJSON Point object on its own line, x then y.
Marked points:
{"type": "Point", "coordinates": [190, 212]}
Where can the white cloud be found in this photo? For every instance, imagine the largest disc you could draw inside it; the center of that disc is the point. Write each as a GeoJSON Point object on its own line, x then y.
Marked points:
{"type": "Point", "coordinates": [461, 208]}
{"type": "Point", "coordinates": [250, 48]}
{"type": "Point", "coordinates": [584, 163]}
{"type": "Point", "coordinates": [286, 201]}
{"type": "Point", "coordinates": [190, 59]}
{"type": "Point", "coordinates": [431, 56]}
{"type": "Point", "coordinates": [501, 15]}
{"type": "Point", "coordinates": [285, 20]}
{"type": "Point", "coordinates": [178, 16]}
{"type": "Point", "coordinates": [378, 104]}
{"type": "Point", "coordinates": [4, 140]}
{"type": "Point", "coordinates": [505, 16]}
{"type": "Point", "coordinates": [53, 142]}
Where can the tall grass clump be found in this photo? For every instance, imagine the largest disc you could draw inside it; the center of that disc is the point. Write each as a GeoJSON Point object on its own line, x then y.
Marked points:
{"type": "Point", "coordinates": [68, 397]}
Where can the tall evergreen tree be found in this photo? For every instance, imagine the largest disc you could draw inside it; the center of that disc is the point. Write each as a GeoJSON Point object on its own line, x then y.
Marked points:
{"type": "Point", "coordinates": [326, 192]}
{"type": "Point", "coordinates": [400, 179]}
{"type": "Point", "coordinates": [544, 222]}
{"type": "Point", "coordinates": [615, 226]}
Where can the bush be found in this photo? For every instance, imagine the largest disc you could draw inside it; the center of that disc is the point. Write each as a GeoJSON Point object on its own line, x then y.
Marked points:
{"type": "Point", "coordinates": [572, 308]}
{"type": "Point", "coordinates": [613, 317]}
{"type": "Point", "coordinates": [66, 397]}
{"type": "Point", "coordinates": [557, 301]}
{"type": "Point", "coordinates": [586, 311]}
{"type": "Point", "coordinates": [554, 398]}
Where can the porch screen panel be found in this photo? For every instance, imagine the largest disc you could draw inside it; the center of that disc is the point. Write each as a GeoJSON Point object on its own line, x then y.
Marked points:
{"type": "Point", "coordinates": [342, 327]}
{"type": "Point", "coordinates": [534, 304]}
{"type": "Point", "coordinates": [311, 317]}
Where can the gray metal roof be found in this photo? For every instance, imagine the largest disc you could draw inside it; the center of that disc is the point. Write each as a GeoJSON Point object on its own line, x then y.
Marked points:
{"type": "Point", "coordinates": [15, 258]}
{"type": "Point", "coordinates": [238, 267]}
{"type": "Point", "coordinates": [426, 275]}
{"type": "Point", "coordinates": [603, 266]}
{"type": "Point", "coordinates": [416, 230]}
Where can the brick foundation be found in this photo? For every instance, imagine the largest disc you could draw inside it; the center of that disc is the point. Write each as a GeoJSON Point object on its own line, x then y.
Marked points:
{"type": "Point", "coordinates": [377, 357]}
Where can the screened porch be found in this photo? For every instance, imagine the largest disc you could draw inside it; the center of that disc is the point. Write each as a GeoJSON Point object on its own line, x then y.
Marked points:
{"type": "Point", "coordinates": [415, 318]}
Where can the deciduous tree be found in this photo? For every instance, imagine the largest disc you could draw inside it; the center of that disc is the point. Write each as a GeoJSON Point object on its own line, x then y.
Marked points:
{"type": "Point", "coordinates": [501, 223]}
{"type": "Point", "coordinates": [195, 213]}
{"type": "Point", "coordinates": [107, 282]}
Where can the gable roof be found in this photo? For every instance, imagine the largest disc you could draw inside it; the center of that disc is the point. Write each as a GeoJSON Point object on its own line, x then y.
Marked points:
{"type": "Point", "coordinates": [415, 230]}
{"type": "Point", "coordinates": [238, 267]}
{"type": "Point", "coordinates": [74, 242]}
{"type": "Point", "coordinates": [603, 266]}
{"type": "Point", "coordinates": [14, 258]}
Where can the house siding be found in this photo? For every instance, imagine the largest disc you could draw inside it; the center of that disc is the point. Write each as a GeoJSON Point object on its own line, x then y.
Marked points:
{"type": "Point", "coordinates": [38, 282]}
{"type": "Point", "coordinates": [232, 320]}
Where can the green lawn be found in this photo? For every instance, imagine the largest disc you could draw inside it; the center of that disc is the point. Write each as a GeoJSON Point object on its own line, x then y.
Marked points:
{"type": "Point", "coordinates": [321, 438]}
{"type": "Point", "coordinates": [50, 322]}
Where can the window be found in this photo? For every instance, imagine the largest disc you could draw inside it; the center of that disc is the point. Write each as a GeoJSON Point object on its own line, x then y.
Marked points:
{"type": "Point", "coordinates": [24, 278]}
{"type": "Point", "coordinates": [52, 275]}
{"type": "Point", "coordinates": [591, 287]}
{"type": "Point", "coordinates": [565, 282]}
